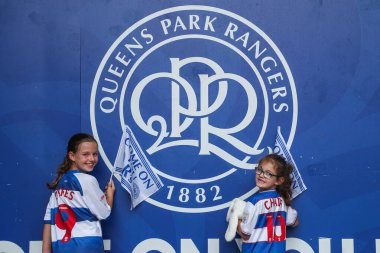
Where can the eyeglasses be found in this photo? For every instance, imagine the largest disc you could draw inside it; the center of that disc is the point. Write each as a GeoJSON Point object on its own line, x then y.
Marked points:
{"type": "Point", "coordinates": [266, 174]}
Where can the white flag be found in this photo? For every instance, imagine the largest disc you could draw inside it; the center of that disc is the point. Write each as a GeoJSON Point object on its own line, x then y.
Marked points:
{"type": "Point", "coordinates": [137, 174]}
{"type": "Point", "coordinates": [280, 148]}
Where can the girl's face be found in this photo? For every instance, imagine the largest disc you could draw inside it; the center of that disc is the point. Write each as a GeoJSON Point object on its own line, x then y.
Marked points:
{"type": "Point", "coordinates": [266, 176]}
{"type": "Point", "coordinates": [85, 158]}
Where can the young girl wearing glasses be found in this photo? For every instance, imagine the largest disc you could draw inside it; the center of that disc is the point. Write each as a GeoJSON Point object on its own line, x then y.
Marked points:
{"type": "Point", "coordinates": [268, 212]}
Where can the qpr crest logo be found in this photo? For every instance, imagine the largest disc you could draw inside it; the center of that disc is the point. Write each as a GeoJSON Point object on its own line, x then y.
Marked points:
{"type": "Point", "coordinates": [203, 91]}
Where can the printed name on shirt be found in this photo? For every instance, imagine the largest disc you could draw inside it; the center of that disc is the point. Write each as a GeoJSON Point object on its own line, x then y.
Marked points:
{"type": "Point", "coordinates": [269, 203]}
{"type": "Point", "coordinates": [69, 194]}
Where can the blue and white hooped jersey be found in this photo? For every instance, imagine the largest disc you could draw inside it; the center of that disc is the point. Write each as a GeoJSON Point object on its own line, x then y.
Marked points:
{"type": "Point", "coordinates": [74, 210]}
{"type": "Point", "coordinates": [265, 221]}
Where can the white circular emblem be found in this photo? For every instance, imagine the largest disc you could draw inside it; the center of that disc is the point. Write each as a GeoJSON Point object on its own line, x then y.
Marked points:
{"type": "Point", "coordinates": [203, 91]}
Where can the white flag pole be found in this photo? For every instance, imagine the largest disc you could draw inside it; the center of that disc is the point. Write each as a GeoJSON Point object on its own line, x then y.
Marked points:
{"type": "Point", "coordinates": [113, 171]}
{"type": "Point", "coordinates": [120, 152]}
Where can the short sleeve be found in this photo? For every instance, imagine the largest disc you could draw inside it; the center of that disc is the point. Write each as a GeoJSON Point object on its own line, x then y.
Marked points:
{"type": "Point", "coordinates": [47, 217]}
{"type": "Point", "coordinates": [291, 216]}
{"type": "Point", "coordinates": [94, 197]}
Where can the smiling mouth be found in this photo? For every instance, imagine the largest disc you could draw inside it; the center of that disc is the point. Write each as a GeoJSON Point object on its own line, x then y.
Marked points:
{"type": "Point", "coordinates": [260, 180]}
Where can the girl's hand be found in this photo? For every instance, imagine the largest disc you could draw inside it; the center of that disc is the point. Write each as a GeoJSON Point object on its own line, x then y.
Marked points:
{"type": "Point", "coordinates": [110, 192]}
{"type": "Point", "coordinates": [240, 232]}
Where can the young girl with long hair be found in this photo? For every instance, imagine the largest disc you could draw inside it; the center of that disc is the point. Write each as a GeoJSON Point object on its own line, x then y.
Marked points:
{"type": "Point", "coordinates": [77, 204]}
{"type": "Point", "coordinates": [268, 212]}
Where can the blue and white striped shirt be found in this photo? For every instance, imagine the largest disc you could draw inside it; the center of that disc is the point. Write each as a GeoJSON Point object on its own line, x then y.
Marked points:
{"type": "Point", "coordinates": [75, 208]}
{"type": "Point", "coordinates": [265, 222]}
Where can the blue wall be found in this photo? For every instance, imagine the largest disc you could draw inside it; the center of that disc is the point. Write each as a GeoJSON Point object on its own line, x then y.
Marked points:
{"type": "Point", "coordinates": [55, 57]}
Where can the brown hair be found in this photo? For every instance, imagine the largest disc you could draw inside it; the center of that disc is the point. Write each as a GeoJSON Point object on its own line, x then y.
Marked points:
{"type": "Point", "coordinates": [284, 169]}
{"type": "Point", "coordinates": [72, 146]}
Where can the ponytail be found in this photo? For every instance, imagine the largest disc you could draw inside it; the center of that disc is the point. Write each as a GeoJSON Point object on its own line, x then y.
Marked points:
{"type": "Point", "coordinates": [62, 169]}
{"type": "Point", "coordinates": [285, 189]}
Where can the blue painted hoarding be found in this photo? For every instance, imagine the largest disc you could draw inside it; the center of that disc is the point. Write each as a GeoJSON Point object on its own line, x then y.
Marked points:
{"type": "Point", "coordinates": [203, 85]}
